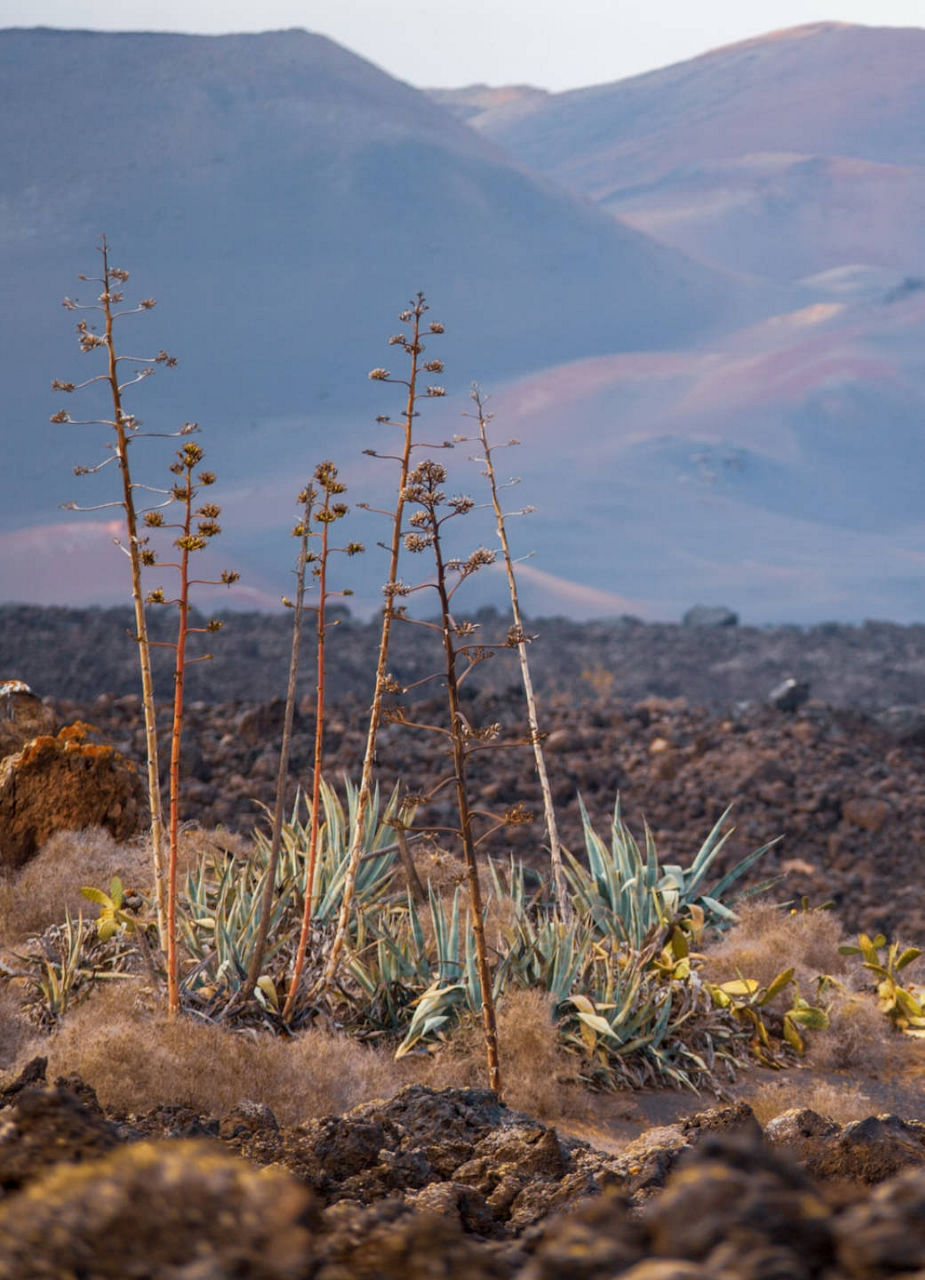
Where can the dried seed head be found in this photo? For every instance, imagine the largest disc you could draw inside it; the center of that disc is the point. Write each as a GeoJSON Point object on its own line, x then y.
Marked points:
{"type": "Point", "coordinates": [417, 542]}
{"type": "Point", "coordinates": [480, 557]}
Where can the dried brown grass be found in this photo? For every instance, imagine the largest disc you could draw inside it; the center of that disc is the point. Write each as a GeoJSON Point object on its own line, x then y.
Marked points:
{"type": "Point", "coordinates": [539, 1076]}
{"type": "Point", "coordinates": [858, 1035]}
{"type": "Point", "coordinates": [839, 1101]}
{"type": "Point", "coordinates": [136, 1060]}
{"type": "Point", "coordinates": [18, 1038]}
{"type": "Point", "coordinates": [768, 940]}
{"type": "Point", "coordinates": [48, 887]}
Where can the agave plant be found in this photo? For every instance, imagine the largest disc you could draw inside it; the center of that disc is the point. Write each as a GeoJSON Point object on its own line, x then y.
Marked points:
{"type": "Point", "coordinates": [630, 895]}
{"type": "Point", "coordinates": [219, 920]}
{"type": "Point", "coordinates": [64, 963]}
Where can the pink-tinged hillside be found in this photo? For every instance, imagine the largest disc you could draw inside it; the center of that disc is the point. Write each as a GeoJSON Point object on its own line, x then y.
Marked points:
{"type": "Point", "coordinates": [783, 156]}
{"type": "Point", "coordinates": [777, 471]}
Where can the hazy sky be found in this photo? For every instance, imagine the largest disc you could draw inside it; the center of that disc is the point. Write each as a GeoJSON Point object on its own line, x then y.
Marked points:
{"type": "Point", "coordinates": [557, 44]}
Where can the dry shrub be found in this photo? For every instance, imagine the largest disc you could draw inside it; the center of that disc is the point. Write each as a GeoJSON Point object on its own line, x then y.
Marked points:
{"type": "Point", "coordinates": [48, 886]}
{"type": "Point", "coordinates": [841, 1102]}
{"type": "Point", "coordinates": [538, 1075]}
{"type": "Point", "coordinates": [768, 940]}
{"type": "Point", "coordinates": [857, 1036]}
{"type": "Point", "coordinates": [137, 1060]}
{"type": "Point", "coordinates": [18, 1039]}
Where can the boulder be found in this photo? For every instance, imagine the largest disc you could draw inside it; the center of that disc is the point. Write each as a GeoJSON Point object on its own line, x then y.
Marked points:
{"type": "Point", "coordinates": [65, 783]}
{"type": "Point", "coordinates": [710, 615]}
{"type": "Point", "coordinates": [158, 1209]}
{"type": "Point", "coordinates": [733, 1198]}
{"type": "Point", "coordinates": [789, 695]}
{"type": "Point", "coordinates": [47, 1126]}
{"type": "Point", "coordinates": [885, 1234]}
{"type": "Point", "coordinates": [23, 716]}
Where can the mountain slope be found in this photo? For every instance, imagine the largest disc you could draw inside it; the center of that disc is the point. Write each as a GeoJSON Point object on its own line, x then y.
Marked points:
{"type": "Point", "coordinates": [745, 156]}
{"type": "Point", "coordinates": [283, 198]}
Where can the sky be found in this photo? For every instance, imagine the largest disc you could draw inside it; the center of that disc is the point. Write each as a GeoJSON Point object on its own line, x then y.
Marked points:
{"type": "Point", "coordinates": [554, 44]}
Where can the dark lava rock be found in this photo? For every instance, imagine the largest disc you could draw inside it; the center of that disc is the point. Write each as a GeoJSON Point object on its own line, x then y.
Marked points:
{"type": "Point", "coordinates": [885, 1235]}
{"type": "Point", "coordinates": [33, 1073]}
{"type": "Point", "coordinates": [789, 695]}
{"type": "Point", "coordinates": [737, 1118]}
{"type": "Point", "coordinates": [735, 1191]}
{"type": "Point", "coordinates": [390, 1242]}
{"type": "Point", "coordinates": [710, 615]}
{"type": "Point", "coordinates": [44, 1127]}
{"type": "Point", "coordinates": [248, 1118]}
{"type": "Point", "coordinates": [870, 1151]}
{"type": "Point", "coordinates": [158, 1209]}
{"type": "Point", "coordinates": [596, 1240]}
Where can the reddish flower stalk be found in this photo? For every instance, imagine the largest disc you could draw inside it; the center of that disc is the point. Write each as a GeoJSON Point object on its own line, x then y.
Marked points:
{"type": "Point", "coordinates": [206, 516]}
{"type": "Point", "coordinates": [326, 477]}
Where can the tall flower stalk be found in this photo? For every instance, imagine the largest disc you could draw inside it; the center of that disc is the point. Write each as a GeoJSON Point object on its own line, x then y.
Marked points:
{"type": "Point", "coordinates": [329, 511]}
{"type": "Point", "coordinates": [125, 428]}
{"type": "Point", "coordinates": [424, 491]}
{"type": "Point", "coordinates": [411, 342]}
{"type": "Point", "coordinates": [518, 635]}
{"type": "Point", "coordinates": [197, 526]}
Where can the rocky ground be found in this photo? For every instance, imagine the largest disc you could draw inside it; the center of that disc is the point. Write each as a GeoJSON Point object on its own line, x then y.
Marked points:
{"type": "Point", "coordinates": [448, 1183]}
{"type": "Point", "coordinates": [674, 719]}
{"type": "Point", "coordinates": [844, 789]}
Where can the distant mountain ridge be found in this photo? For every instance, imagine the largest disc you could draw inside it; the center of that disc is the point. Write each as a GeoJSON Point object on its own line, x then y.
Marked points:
{"type": "Point", "coordinates": [283, 198]}
{"type": "Point", "coordinates": [696, 296]}
{"type": "Point", "coordinates": [751, 139]}
{"type": "Point", "coordinates": [774, 465]}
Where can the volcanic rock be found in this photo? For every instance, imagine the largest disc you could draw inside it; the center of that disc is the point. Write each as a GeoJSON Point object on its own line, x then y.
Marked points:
{"type": "Point", "coordinates": [165, 1209]}
{"type": "Point", "coordinates": [710, 615]}
{"type": "Point", "coordinates": [739, 1192]}
{"type": "Point", "coordinates": [44, 1127]}
{"type": "Point", "coordinates": [23, 716]}
{"type": "Point", "coordinates": [64, 783]}
{"type": "Point", "coordinates": [885, 1235]}
{"type": "Point", "coordinates": [789, 695]}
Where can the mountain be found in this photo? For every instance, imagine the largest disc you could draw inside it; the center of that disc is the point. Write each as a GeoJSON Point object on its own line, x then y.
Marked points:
{"type": "Point", "coordinates": [722, 401]}
{"type": "Point", "coordinates": [783, 156]}
{"type": "Point", "coordinates": [283, 198]}
{"type": "Point", "coordinates": [774, 467]}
